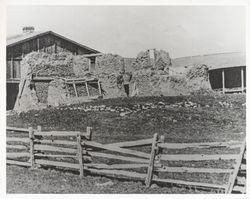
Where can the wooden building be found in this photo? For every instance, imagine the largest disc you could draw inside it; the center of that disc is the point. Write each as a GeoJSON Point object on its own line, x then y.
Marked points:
{"type": "Point", "coordinates": [47, 41]}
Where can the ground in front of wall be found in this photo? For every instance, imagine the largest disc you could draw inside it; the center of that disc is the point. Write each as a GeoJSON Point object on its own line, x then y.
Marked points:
{"type": "Point", "coordinates": [180, 119]}
{"type": "Point", "coordinates": [23, 180]}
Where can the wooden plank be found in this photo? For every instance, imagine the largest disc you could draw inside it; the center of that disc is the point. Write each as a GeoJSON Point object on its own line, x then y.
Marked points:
{"type": "Point", "coordinates": [197, 157]}
{"type": "Point", "coordinates": [60, 142]}
{"type": "Point", "coordinates": [193, 170]}
{"type": "Point", "coordinates": [200, 145]}
{"type": "Point", "coordinates": [18, 163]}
{"type": "Point", "coordinates": [223, 81]}
{"type": "Point", "coordinates": [242, 80]}
{"type": "Point", "coordinates": [187, 183]}
{"type": "Point", "coordinates": [116, 166]}
{"type": "Point", "coordinates": [55, 156]}
{"type": "Point", "coordinates": [79, 154]}
{"type": "Point", "coordinates": [99, 87]}
{"type": "Point", "coordinates": [232, 178]}
{"type": "Point", "coordinates": [31, 137]}
{"type": "Point", "coordinates": [21, 147]}
{"type": "Point", "coordinates": [151, 161]}
{"type": "Point", "coordinates": [59, 133]}
{"type": "Point", "coordinates": [57, 164]}
{"type": "Point", "coordinates": [128, 144]}
{"type": "Point", "coordinates": [119, 173]}
{"type": "Point", "coordinates": [54, 148]}
{"type": "Point", "coordinates": [16, 139]}
{"type": "Point", "coordinates": [17, 155]}
{"type": "Point", "coordinates": [117, 149]}
{"type": "Point", "coordinates": [117, 157]}
{"type": "Point", "coordinates": [74, 85]}
{"type": "Point", "coordinates": [8, 128]}
{"type": "Point", "coordinates": [87, 88]}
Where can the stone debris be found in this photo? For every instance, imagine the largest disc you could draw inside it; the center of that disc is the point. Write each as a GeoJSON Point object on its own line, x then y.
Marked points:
{"type": "Point", "coordinates": [124, 111]}
{"type": "Point", "coordinates": [226, 104]}
{"type": "Point", "coordinates": [108, 183]}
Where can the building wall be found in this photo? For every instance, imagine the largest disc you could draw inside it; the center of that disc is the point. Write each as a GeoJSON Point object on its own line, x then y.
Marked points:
{"type": "Point", "coordinates": [47, 43]}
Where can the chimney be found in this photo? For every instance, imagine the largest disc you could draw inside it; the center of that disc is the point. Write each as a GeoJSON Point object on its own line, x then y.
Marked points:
{"type": "Point", "coordinates": [28, 29]}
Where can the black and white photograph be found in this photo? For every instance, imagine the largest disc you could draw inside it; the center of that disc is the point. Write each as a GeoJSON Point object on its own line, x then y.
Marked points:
{"type": "Point", "coordinates": [125, 99]}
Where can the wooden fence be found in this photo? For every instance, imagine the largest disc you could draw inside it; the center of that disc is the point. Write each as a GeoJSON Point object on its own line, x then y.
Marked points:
{"type": "Point", "coordinates": [143, 160]}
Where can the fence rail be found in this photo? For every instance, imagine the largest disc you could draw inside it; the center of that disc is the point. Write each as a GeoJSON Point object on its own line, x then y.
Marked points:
{"type": "Point", "coordinates": [75, 150]}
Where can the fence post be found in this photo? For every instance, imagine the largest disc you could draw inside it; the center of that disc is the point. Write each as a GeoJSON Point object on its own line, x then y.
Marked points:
{"type": "Point", "coordinates": [80, 158]}
{"type": "Point", "coordinates": [31, 137]}
{"type": "Point", "coordinates": [151, 161]}
{"type": "Point", "coordinates": [89, 133]}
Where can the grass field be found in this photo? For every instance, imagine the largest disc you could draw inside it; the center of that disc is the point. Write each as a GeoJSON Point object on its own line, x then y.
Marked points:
{"type": "Point", "coordinates": [215, 118]}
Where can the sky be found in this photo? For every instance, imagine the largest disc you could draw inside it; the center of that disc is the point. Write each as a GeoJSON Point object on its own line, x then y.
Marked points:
{"type": "Point", "coordinates": [127, 30]}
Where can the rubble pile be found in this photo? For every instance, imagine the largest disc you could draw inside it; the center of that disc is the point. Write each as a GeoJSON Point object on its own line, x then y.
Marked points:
{"type": "Point", "coordinates": [123, 111]}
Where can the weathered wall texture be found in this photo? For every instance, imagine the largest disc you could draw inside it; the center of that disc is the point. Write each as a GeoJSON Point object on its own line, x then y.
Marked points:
{"type": "Point", "coordinates": [110, 70]}
{"type": "Point", "coordinates": [37, 94]}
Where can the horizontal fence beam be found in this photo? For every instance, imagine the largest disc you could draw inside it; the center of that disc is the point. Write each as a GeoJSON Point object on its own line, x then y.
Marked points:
{"type": "Point", "coordinates": [54, 149]}
{"type": "Point", "coordinates": [117, 157]}
{"type": "Point", "coordinates": [14, 162]}
{"type": "Point", "coordinates": [197, 157]}
{"type": "Point", "coordinates": [17, 155]}
{"type": "Point", "coordinates": [119, 173]}
{"type": "Point", "coordinates": [8, 128]}
{"type": "Point", "coordinates": [59, 133]}
{"type": "Point", "coordinates": [116, 166]}
{"type": "Point", "coordinates": [144, 142]}
{"type": "Point", "coordinates": [116, 149]}
{"type": "Point", "coordinates": [57, 164]}
{"type": "Point", "coordinates": [200, 145]}
{"type": "Point", "coordinates": [193, 170]}
{"type": "Point", "coordinates": [59, 142]}
{"type": "Point", "coordinates": [20, 147]}
{"type": "Point", "coordinates": [17, 139]}
{"type": "Point", "coordinates": [187, 183]}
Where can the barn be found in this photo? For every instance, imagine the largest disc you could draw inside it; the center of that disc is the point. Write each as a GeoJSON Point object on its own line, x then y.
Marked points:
{"type": "Point", "coordinates": [227, 71]}
{"type": "Point", "coordinates": [41, 41]}
{"type": "Point", "coordinates": [229, 75]}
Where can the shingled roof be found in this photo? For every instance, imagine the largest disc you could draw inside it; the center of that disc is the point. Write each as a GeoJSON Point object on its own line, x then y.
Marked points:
{"type": "Point", "coordinates": [20, 38]}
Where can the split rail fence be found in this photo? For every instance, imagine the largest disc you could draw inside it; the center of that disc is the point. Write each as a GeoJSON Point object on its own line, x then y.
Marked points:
{"type": "Point", "coordinates": [76, 151]}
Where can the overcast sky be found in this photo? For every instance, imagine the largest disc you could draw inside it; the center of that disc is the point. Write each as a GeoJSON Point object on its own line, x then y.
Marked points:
{"type": "Point", "coordinates": [180, 30]}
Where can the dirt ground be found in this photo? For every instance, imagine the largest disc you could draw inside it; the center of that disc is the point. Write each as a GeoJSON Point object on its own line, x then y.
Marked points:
{"type": "Point", "coordinates": [213, 118]}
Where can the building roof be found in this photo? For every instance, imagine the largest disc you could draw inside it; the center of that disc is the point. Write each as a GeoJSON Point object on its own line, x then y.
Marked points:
{"type": "Point", "coordinates": [214, 61]}
{"type": "Point", "coordinates": [20, 38]}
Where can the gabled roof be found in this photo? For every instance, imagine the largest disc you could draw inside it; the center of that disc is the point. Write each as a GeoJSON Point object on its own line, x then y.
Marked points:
{"type": "Point", "coordinates": [215, 61]}
{"type": "Point", "coordinates": [17, 39]}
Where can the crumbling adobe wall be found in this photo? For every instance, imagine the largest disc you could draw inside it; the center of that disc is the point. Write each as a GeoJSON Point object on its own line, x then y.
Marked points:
{"type": "Point", "coordinates": [55, 65]}
{"type": "Point", "coordinates": [58, 66]}
{"type": "Point", "coordinates": [149, 76]}
{"type": "Point", "coordinates": [110, 70]}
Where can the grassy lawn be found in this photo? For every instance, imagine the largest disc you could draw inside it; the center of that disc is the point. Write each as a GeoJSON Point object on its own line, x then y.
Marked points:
{"type": "Point", "coordinates": [216, 118]}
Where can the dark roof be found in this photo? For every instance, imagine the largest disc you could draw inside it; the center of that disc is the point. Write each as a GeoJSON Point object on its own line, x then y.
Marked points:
{"type": "Point", "coordinates": [17, 39]}
{"type": "Point", "coordinates": [214, 61]}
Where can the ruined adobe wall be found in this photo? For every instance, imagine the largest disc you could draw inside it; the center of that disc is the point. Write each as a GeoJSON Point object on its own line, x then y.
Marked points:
{"type": "Point", "coordinates": [110, 69]}
{"type": "Point", "coordinates": [39, 94]}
